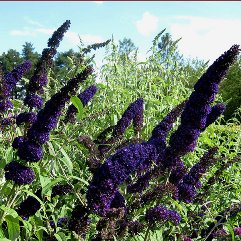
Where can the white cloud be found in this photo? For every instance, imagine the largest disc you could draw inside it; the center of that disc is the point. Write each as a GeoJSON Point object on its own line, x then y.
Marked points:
{"type": "Point", "coordinates": [72, 37]}
{"type": "Point", "coordinates": [32, 22]}
{"type": "Point", "coordinates": [48, 31]}
{"type": "Point", "coordinates": [24, 32]}
{"type": "Point", "coordinates": [91, 39]}
{"type": "Point", "coordinates": [205, 38]}
{"type": "Point", "coordinates": [147, 24]}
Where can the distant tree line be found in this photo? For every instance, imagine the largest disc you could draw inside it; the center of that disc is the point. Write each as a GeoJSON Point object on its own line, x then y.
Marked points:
{"type": "Point", "coordinates": [169, 57]}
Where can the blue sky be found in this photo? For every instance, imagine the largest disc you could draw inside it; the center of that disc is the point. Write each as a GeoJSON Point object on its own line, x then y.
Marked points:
{"type": "Point", "coordinates": [207, 28]}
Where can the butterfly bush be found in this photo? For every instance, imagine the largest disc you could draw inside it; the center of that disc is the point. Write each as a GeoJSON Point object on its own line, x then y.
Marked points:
{"type": "Point", "coordinates": [122, 199]}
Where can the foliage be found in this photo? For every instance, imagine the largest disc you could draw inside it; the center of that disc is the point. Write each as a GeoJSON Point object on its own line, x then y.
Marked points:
{"type": "Point", "coordinates": [231, 89]}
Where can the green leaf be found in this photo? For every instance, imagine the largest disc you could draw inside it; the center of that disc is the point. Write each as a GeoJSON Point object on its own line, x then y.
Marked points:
{"type": "Point", "coordinates": [13, 227]}
{"type": "Point", "coordinates": [51, 149]}
{"type": "Point", "coordinates": [9, 211]}
{"type": "Point", "coordinates": [80, 179]}
{"type": "Point", "coordinates": [230, 228]}
{"type": "Point", "coordinates": [60, 236]}
{"type": "Point", "coordinates": [79, 106]}
{"type": "Point", "coordinates": [66, 160]}
{"type": "Point", "coordinates": [51, 184]}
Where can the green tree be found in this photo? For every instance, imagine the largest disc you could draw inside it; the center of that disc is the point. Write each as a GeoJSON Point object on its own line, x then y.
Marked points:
{"type": "Point", "coordinates": [10, 60]}
{"type": "Point", "coordinates": [126, 46]}
{"type": "Point", "coordinates": [28, 53]}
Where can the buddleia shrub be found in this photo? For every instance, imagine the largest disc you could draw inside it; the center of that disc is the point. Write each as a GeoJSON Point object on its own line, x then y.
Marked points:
{"type": "Point", "coordinates": [69, 174]}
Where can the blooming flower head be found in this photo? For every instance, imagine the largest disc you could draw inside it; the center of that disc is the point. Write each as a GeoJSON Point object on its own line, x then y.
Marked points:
{"type": "Point", "coordinates": [161, 214]}
{"type": "Point", "coordinates": [135, 227]}
{"type": "Point", "coordinates": [18, 173]}
{"type": "Point", "coordinates": [58, 35]}
{"type": "Point", "coordinates": [29, 206]}
{"type": "Point", "coordinates": [134, 110]}
{"type": "Point", "coordinates": [61, 189]}
{"type": "Point", "coordinates": [87, 94]}
{"type": "Point", "coordinates": [34, 101]}
{"type": "Point", "coordinates": [186, 192]}
{"type": "Point", "coordinates": [5, 105]}
{"type": "Point", "coordinates": [195, 114]}
{"type": "Point", "coordinates": [187, 239]}
{"type": "Point", "coordinates": [115, 171]}
{"type": "Point", "coordinates": [30, 151]}
{"type": "Point", "coordinates": [216, 111]}
{"type": "Point", "coordinates": [10, 79]}
{"type": "Point", "coordinates": [26, 117]}
{"type": "Point", "coordinates": [17, 141]}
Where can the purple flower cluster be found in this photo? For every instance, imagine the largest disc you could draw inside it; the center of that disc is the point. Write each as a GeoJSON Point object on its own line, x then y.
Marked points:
{"type": "Point", "coordinates": [133, 112]}
{"type": "Point", "coordinates": [115, 171]}
{"type": "Point", "coordinates": [61, 189]}
{"type": "Point", "coordinates": [26, 117]}
{"type": "Point", "coordinates": [47, 119]}
{"type": "Point", "coordinates": [158, 139]}
{"type": "Point", "coordinates": [84, 97]}
{"type": "Point", "coordinates": [194, 116]}
{"type": "Point", "coordinates": [160, 214]}
{"type": "Point", "coordinates": [10, 79]}
{"type": "Point", "coordinates": [79, 221]}
{"type": "Point", "coordinates": [216, 111]}
{"type": "Point", "coordinates": [19, 173]}
{"type": "Point", "coordinates": [33, 100]}
{"type": "Point", "coordinates": [8, 84]}
{"type": "Point", "coordinates": [187, 239]}
{"type": "Point", "coordinates": [29, 206]}
{"type": "Point", "coordinates": [159, 133]}
{"type": "Point", "coordinates": [57, 36]}
{"type": "Point", "coordinates": [39, 78]}
{"type": "Point", "coordinates": [17, 141]}
{"type": "Point", "coordinates": [161, 130]}
{"type": "Point", "coordinates": [95, 46]}
{"type": "Point", "coordinates": [135, 227]}
{"type": "Point", "coordinates": [187, 188]}
{"type": "Point", "coordinates": [5, 105]}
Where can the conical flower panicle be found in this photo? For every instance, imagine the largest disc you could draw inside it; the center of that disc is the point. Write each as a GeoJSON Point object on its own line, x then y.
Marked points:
{"type": "Point", "coordinates": [133, 112]}
{"type": "Point", "coordinates": [39, 78]}
{"type": "Point", "coordinates": [47, 118]}
{"type": "Point", "coordinates": [115, 171]}
{"type": "Point", "coordinates": [57, 36]}
{"type": "Point", "coordinates": [134, 109]}
{"type": "Point", "coordinates": [195, 114]}
{"type": "Point", "coordinates": [187, 188]}
{"type": "Point", "coordinates": [216, 111]}
{"type": "Point", "coordinates": [161, 214]}
{"type": "Point", "coordinates": [95, 46]}
{"type": "Point", "coordinates": [10, 80]}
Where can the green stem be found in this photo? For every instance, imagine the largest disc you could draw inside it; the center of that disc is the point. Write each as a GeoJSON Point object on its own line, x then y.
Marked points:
{"type": "Point", "coordinates": [147, 233]}
{"type": "Point", "coordinates": [11, 197]}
